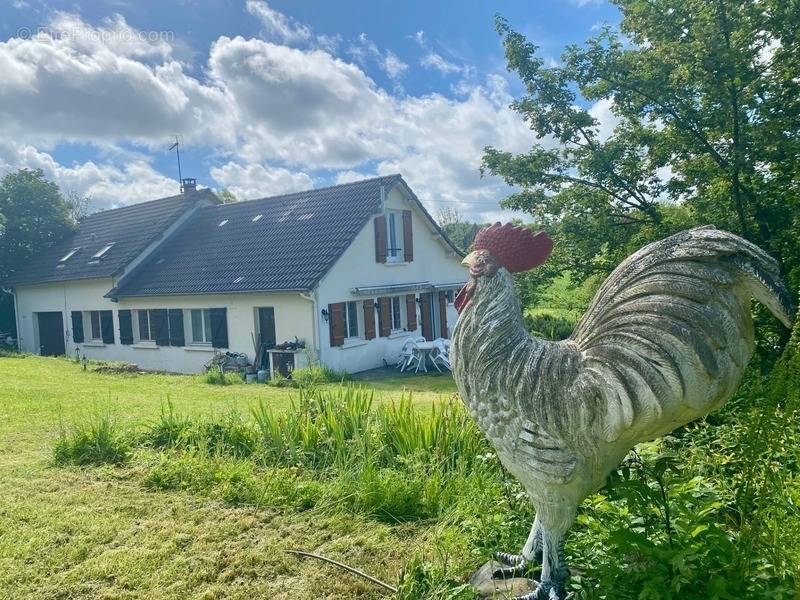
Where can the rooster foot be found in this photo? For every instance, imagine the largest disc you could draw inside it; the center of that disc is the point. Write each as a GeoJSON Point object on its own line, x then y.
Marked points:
{"type": "Point", "coordinates": [544, 591]}
{"type": "Point", "coordinates": [513, 565]}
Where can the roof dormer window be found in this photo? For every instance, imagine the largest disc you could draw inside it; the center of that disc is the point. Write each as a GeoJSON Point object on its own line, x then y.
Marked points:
{"type": "Point", "coordinates": [69, 255]}
{"type": "Point", "coordinates": [100, 253]}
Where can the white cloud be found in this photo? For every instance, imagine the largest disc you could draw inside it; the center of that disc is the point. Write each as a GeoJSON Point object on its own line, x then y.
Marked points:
{"type": "Point", "coordinates": [393, 66]}
{"type": "Point", "coordinates": [277, 25]}
{"type": "Point", "coordinates": [432, 60]}
{"type": "Point", "coordinates": [83, 83]}
{"type": "Point", "coordinates": [107, 185]}
{"type": "Point", "coordinates": [607, 121]}
{"type": "Point", "coordinates": [363, 50]}
{"type": "Point", "coordinates": [256, 102]}
{"type": "Point", "coordinates": [257, 181]}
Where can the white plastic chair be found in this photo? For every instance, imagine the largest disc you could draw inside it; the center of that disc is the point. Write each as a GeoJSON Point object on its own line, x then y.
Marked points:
{"type": "Point", "coordinates": [440, 355]}
{"type": "Point", "coordinates": [409, 355]}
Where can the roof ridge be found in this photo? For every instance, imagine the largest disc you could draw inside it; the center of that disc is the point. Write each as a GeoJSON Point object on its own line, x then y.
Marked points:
{"type": "Point", "coordinates": [319, 189]}
{"type": "Point", "coordinates": [146, 202]}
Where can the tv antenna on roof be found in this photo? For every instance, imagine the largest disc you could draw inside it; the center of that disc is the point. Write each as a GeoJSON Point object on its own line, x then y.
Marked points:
{"type": "Point", "coordinates": [177, 147]}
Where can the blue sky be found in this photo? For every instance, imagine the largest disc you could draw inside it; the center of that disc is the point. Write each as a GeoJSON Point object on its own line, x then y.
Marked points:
{"type": "Point", "coordinates": [270, 97]}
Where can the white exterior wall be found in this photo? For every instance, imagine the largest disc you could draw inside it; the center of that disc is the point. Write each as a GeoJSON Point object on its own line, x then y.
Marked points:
{"type": "Point", "coordinates": [433, 262]}
{"type": "Point", "coordinates": [292, 318]}
{"type": "Point", "coordinates": [295, 314]}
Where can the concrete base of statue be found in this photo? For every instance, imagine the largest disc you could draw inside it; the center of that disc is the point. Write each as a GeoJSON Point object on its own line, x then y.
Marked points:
{"type": "Point", "coordinates": [486, 587]}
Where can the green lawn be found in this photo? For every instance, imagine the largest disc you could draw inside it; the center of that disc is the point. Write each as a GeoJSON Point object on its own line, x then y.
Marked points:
{"type": "Point", "coordinates": [97, 532]}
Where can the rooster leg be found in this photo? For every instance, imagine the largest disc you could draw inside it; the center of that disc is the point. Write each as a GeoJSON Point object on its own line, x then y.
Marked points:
{"type": "Point", "coordinates": [556, 520]}
{"type": "Point", "coordinates": [516, 565]}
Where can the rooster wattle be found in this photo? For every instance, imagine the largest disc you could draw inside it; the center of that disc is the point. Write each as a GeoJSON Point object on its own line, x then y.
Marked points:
{"type": "Point", "coordinates": [665, 341]}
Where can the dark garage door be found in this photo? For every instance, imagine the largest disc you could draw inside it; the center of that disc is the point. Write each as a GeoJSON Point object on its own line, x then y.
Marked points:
{"type": "Point", "coordinates": [51, 334]}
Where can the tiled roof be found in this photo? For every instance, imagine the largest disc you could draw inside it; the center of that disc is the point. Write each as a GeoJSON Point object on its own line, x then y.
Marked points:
{"type": "Point", "coordinates": [290, 247]}
{"type": "Point", "coordinates": [131, 229]}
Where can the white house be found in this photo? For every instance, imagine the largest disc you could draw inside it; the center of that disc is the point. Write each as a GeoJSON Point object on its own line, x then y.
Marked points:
{"type": "Point", "coordinates": [350, 270]}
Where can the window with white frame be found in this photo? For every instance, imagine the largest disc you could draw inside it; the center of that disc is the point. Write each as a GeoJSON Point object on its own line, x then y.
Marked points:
{"type": "Point", "coordinates": [95, 328]}
{"type": "Point", "coordinates": [351, 329]}
{"type": "Point", "coordinates": [450, 295]}
{"type": "Point", "coordinates": [143, 328]}
{"type": "Point", "coordinates": [396, 314]}
{"type": "Point", "coordinates": [201, 325]}
{"type": "Point", "coordinates": [394, 236]}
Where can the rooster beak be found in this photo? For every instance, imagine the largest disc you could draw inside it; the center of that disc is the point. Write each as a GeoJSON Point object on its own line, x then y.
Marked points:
{"type": "Point", "coordinates": [467, 262]}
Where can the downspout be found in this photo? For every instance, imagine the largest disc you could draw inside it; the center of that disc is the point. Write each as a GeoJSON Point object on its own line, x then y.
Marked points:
{"type": "Point", "coordinates": [312, 298]}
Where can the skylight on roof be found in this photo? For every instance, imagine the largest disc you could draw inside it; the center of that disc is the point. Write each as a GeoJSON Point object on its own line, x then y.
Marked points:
{"type": "Point", "coordinates": [238, 280]}
{"type": "Point", "coordinates": [69, 255]}
{"type": "Point", "coordinates": [257, 218]}
{"type": "Point", "coordinates": [103, 250]}
{"type": "Point", "coordinates": [221, 223]}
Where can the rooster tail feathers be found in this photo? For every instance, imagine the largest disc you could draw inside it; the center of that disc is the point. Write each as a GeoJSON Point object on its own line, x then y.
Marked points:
{"type": "Point", "coordinates": [761, 272]}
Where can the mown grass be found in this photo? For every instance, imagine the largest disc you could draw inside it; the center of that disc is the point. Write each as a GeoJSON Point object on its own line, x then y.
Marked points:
{"type": "Point", "coordinates": [101, 532]}
{"type": "Point", "coordinates": [407, 491]}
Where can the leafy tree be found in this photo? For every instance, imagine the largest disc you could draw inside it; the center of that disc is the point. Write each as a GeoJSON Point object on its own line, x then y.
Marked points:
{"type": "Point", "coordinates": [227, 196]}
{"type": "Point", "coordinates": [460, 231]}
{"type": "Point", "coordinates": [35, 215]}
{"type": "Point", "coordinates": [705, 98]}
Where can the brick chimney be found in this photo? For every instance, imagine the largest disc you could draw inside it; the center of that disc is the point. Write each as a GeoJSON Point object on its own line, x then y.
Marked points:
{"type": "Point", "coordinates": [188, 185]}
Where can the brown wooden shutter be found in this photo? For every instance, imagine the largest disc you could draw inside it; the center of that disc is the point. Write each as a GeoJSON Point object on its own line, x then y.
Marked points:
{"type": "Point", "coordinates": [425, 311]}
{"type": "Point", "coordinates": [380, 239]}
{"type": "Point", "coordinates": [443, 315]}
{"type": "Point", "coordinates": [336, 318]}
{"type": "Point", "coordinates": [408, 237]}
{"type": "Point", "coordinates": [411, 312]}
{"type": "Point", "coordinates": [369, 319]}
{"type": "Point", "coordinates": [384, 316]}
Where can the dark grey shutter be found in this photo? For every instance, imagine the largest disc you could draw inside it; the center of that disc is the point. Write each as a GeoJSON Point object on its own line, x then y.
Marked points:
{"type": "Point", "coordinates": [77, 326]}
{"type": "Point", "coordinates": [107, 326]}
{"type": "Point", "coordinates": [176, 335]}
{"type": "Point", "coordinates": [159, 327]}
{"type": "Point", "coordinates": [125, 327]}
{"type": "Point", "coordinates": [219, 328]}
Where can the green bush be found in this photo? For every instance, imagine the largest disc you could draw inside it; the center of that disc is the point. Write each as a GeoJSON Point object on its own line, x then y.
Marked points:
{"type": "Point", "coordinates": [217, 377]}
{"type": "Point", "coordinates": [95, 441]}
{"type": "Point", "coordinates": [304, 377]}
{"type": "Point", "coordinates": [549, 326]}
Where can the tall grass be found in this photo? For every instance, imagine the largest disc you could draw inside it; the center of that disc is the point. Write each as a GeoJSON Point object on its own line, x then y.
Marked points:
{"type": "Point", "coordinates": [92, 442]}
{"type": "Point", "coordinates": [706, 513]}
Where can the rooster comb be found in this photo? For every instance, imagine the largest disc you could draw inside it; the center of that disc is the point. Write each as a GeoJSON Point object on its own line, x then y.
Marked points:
{"type": "Point", "coordinates": [516, 248]}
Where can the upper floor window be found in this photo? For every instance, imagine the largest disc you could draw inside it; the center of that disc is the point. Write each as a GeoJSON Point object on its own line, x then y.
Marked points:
{"type": "Point", "coordinates": [394, 236]}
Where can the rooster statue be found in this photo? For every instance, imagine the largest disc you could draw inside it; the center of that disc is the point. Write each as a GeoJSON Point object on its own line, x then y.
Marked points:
{"type": "Point", "coordinates": [664, 341]}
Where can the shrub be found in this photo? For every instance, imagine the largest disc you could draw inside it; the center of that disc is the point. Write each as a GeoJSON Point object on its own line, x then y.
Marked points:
{"type": "Point", "coordinates": [549, 325]}
{"type": "Point", "coordinates": [309, 376]}
{"type": "Point", "coordinates": [217, 377]}
{"type": "Point", "coordinates": [94, 442]}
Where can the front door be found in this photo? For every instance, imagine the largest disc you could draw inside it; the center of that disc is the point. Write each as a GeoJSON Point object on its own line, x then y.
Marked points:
{"type": "Point", "coordinates": [51, 334]}
{"type": "Point", "coordinates": [266, 326]}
